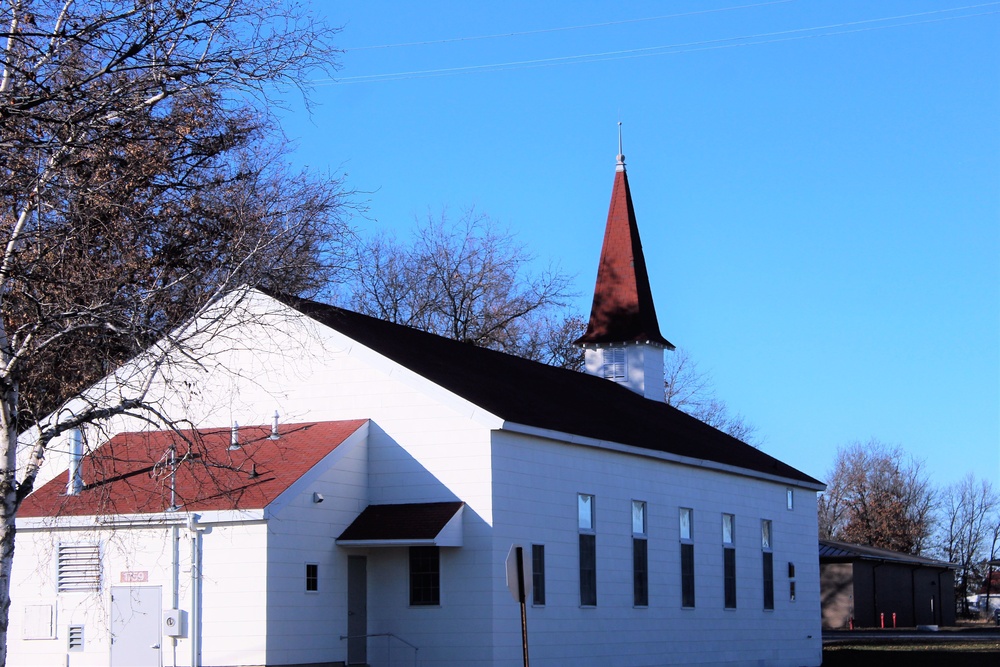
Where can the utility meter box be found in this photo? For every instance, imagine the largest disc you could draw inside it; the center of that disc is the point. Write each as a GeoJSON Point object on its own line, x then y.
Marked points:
{"type": "Point", "coordinates": [175, 622]}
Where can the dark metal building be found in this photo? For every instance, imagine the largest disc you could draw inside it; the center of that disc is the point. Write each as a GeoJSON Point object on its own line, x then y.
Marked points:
{"type": "Point", "coordinates": [866, 586]}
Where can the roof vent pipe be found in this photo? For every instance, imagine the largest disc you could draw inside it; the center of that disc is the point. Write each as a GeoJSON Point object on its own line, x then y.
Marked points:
{"type": "Point", "coordinates": [75, 483]}
{"type": "Point", "coordinates": [234, 437]}
{"type": "Point", "coordinates": [274, 427]}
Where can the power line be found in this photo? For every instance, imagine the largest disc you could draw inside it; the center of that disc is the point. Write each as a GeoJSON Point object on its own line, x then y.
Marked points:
{"type": "Point", "coordinates": [671, 49]}
{"type": "Point", "coordinates": [564, 28]}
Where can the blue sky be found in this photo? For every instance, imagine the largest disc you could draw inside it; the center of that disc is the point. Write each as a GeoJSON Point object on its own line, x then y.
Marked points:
{"type": "Point", "coordinates": [817, 186]}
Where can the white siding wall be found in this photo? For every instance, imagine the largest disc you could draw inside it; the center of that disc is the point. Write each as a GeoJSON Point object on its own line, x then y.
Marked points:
{"type": "Point", "coordinates": [537, 483]}
{"type": "Point", "coordinates": [305, 627]}
{"type": "Point", "coordinates": [233, 594]}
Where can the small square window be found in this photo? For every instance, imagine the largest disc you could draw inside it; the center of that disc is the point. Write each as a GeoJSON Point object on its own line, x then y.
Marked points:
{"type": "Point", "coordinates": [312, 577]}
{"type": "Point", "coordinates": [586, 511]}
{"type": "Point", "coordinates": [728, 528]}
{"type": "Point", "coordinates": [638, 517]}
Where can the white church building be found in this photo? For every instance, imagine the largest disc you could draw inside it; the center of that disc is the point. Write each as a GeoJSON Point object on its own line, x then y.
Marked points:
{"type": "Point", "coordinates": [369, 524]}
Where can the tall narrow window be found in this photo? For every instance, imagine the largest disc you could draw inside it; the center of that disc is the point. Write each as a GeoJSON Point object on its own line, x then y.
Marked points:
{"type": "Point", "coordinates": [425, 576]}
{"type": "Point", "coordinates": [791, 582]}
{"type": "Point", "coordinates": [767, 558]}
{"type": "Point", "coordinates": [588, 551]}
{"type": "Point", "coordinates": [687, 557]}
{"type": "Point", "coordinates": [790, 499]}
{"type": "Point", "coordinates": [538, 574]}
{"type": "Point", "coordinates": [729, 559]}
{"type": "Point", "coordinates": [613, 362]}
{"type": "Point", "coordinates": [640, 561]}
{"type": "Point", "coordinates": [312, 577]}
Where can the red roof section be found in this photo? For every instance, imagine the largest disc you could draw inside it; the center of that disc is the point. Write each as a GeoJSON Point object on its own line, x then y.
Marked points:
{"type": "Point", "coordinates": [623, 309]}
{"type": "Point", "coordinates": [130, 474]}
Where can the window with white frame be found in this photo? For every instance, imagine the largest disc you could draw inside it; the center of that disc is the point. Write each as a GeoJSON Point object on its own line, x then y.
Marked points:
{"type": "Point", "coordinates": [613, 363]}
{"type": "Point", "coordinates": [312, 577]}
{"type": "Point", "coordinates": [640, 559]}
{"type": "Point", "coordinates": [729, 559]}
{"type": "Point", "coordinates": [767, 559]}
{"type": "Point", "coordinates": [686, 519]}
{"type": "Point", "coordinates": [790, 498]}
{"type": "Point", "coordinates": [588, 550]}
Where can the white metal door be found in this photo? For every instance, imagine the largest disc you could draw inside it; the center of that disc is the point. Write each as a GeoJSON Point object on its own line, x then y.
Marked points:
{"type": "Point", "coordinates": [135, 626]}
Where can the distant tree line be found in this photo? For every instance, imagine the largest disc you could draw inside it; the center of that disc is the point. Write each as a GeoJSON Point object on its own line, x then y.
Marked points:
{"type": "Point", "coordinates": [878, 495]}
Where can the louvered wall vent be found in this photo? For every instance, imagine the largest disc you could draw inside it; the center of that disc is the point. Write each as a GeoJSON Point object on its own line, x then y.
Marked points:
{"type": "Point", "coordinates": [79, 567]}
{"type": "Point", "coordinates": [75, 638]}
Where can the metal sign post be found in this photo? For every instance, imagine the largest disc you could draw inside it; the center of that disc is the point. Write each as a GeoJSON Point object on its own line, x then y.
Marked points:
{"type": "Point", "coordinates": [518, 572]}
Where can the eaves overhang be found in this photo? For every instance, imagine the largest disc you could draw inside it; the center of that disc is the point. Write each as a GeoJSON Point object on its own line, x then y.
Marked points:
{"type": "Point", "coordinates": [406, 525]}
{"type": "Point", "coordinates": [585, 441]}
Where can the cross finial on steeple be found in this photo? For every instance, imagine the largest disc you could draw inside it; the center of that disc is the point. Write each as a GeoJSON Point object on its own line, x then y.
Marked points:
{"type": "Point", "coordinates": [621, 156]}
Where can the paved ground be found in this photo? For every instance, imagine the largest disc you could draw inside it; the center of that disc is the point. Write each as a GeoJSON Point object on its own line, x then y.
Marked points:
{"type": "Point", "coordinates": [950, 634]}
{"type": "Point", "coordinates": [976, 646]}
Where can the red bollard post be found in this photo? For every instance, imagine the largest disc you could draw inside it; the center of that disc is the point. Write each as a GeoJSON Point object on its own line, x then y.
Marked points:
{"type": "Point", "coordinates": [882, 619]}
{"type": "Point", "coordinates": [851, 623]}
{"type": "Point", "coordinates": [894, 619]}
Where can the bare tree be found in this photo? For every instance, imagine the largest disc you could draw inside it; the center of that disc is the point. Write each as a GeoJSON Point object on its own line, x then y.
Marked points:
{"type": "Point", "coordinates": [690, 389]}
{"type": "Point", "coordinates": [878, 496]}
{"type": "Point", "coordinates": [467, 280]}
{"type": "Point", "coordinates": [969, 516]}
{"type": "Point", "coordinates": [130, 188]}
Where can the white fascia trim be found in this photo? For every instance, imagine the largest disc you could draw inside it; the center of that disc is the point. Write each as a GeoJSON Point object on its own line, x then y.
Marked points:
{"type": "Point", "coordinates": [321, 467]}
{"type": "Point", "coordinates": [391, 543]}
{"type": "Point", "coordinates": [179, 518]}
{"type": "Point", "coordinates": [397, 371]}
{"type": "Point", "coordinates": [584, 441]}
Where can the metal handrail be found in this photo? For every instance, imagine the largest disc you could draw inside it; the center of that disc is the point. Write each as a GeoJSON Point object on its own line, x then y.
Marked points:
{"type": "Point", "coordinates": [387, 635]}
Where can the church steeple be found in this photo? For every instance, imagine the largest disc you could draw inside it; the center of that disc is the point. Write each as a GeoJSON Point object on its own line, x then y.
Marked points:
{"type": "Point", "coordinates": [623, 340]}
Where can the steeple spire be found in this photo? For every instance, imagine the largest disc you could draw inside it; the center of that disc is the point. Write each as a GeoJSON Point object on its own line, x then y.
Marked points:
{"type": "Point", "coordinates": [622, 316]}
{"type": "Point", "coordinates": [622, 310]}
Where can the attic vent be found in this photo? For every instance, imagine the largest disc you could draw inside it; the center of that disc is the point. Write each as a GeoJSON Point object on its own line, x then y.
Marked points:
{"type": "Point", "coordinates": [79, 567]}
{"type": "Point", "coordinates": [613, 363]}
{"type": "Point", "coordinates": [74, 638]}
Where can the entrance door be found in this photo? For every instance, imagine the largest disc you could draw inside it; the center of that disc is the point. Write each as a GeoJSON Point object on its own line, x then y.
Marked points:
{"type": "Point", "coordinates": [135, 626]}
{"type": "Point", "coordinates": [357, 610]}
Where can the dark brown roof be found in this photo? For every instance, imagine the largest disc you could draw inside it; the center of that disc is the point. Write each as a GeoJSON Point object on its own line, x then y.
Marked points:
{"type": "Point", "coordinates": [133, 475]}
{"type": "Point", "coordinates": [534, 394]}
{"type": "Point", "coordinates": [409, 521]}
{"type": "Point", "coordinates": [831, 551]}
{"type": "Point", "coordinates": [623, 310]}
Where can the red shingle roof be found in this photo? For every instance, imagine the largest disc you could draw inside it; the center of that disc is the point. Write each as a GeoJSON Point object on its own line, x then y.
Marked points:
{"type": "Point", "coordinates": [130, 473]}
{"type": "Point", "coordinates": [623, 310]}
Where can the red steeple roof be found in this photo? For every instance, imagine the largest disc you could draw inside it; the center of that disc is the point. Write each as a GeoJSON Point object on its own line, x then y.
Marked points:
{"type": "Point", "coordinates": [623, 309]}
